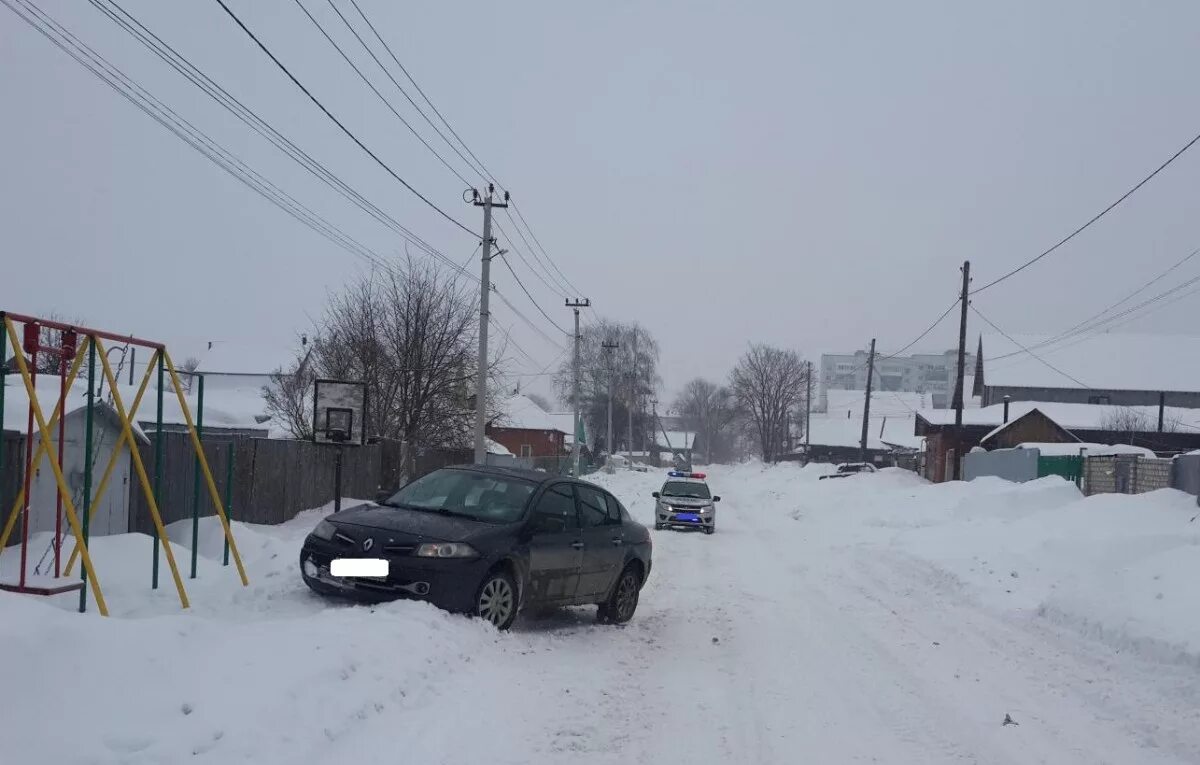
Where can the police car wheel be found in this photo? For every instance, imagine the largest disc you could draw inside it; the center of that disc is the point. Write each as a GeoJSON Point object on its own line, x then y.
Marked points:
{"type": "Point", "coordinates": [658, 527]}
{"type": "Point", "coordinates": [709, 529]}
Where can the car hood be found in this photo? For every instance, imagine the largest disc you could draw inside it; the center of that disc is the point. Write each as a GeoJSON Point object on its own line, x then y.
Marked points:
{"type": "Point", "coordinates": [686, 502]}
{"type": "Point", "coordinates": [414, 524]}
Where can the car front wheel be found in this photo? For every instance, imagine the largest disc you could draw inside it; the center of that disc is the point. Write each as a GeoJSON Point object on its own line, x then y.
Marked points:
{"type": "Point", "coordinates": [619, 607]}
{"type": "Point", "coordinates": [496, 600]}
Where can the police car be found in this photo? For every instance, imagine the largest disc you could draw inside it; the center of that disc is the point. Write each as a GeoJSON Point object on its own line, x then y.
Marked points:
{"type": "Point", "coordinates": [685, 502]}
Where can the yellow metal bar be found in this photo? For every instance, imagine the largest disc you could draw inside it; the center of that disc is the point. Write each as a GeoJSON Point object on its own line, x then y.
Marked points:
{"type": "Point", "coordinates": [208, 477]}
{"type": "Point", "coordinates": [141, 471]}
{"type": "Point", "coordinates": [112, 460]}
{"type": "Point", "coordinates": [41, 450]}
{"type": "Point", "coordinates": [44, 431]}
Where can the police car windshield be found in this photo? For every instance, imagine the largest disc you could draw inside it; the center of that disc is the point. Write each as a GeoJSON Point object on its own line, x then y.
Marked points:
{"type": "Point", "coordinates": [686, 489]}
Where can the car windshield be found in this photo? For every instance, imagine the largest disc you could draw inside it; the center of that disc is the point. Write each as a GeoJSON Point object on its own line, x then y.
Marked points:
{"type": "Point", "coordinates": [482, 496]}
{"type": "Point", "coordinates": [686, 489]}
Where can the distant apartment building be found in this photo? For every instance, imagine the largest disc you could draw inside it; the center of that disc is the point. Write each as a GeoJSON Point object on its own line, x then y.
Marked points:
{"type": "Point", "coordinates": [919, 373]}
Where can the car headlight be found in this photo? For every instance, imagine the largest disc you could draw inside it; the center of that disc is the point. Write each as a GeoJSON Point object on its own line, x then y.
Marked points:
{"type": "Point", "coordinates": [324, 530]}
{"type": "Point", "coordinates": [706, 510]}
{"type": "Point", "coordinates": [446, 550]}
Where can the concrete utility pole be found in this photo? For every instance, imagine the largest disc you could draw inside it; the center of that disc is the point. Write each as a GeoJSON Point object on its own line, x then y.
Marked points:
{"type": "Point", "coordinates": [609, 346]}
{"type": "Point", "coordinates": [485, 286]}
{"type": "Point", "coordinates": [808, 414]}
{"type": "Point", "coordinates": [964, 301]}
{"type": "Point", "coordinates": [867, 403]}
{"type": "Point", "coordinates": [633, 395]}
{"type": "Point", "coordinates": [575, 305]}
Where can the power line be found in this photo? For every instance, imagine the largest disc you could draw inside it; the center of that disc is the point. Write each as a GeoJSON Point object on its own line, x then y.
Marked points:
{"type": "Point", "coordinates": [536, 305]}
{"type": "Point", "coordinates": [184, 130]}
{"type": "Point", "coordinates": [514, 248]}
{"type": "Point", "coordinates": [400, 88]}
{"type": "Point", "coordinates": [536, 241]}
{"type": "Point", "coordinates": [1094, 218]}
{"type": "Point", "coordinates": [558, 286]}
{"type": "Point", "coordinates": [449, 127]}
{"type": "Point", "coordinates": [1092, 328]}
{"type": "Point", "coordinates": [1031, 353]}
{"type": "Point", "coordinates": [371, 85]}
{"type": "Point", "coordinates": [250, 118]}
{"type": "Point", "coordinates": [338, 122]}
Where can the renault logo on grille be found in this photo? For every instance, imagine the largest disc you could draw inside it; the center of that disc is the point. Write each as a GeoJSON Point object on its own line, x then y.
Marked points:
{"type": "Point", "coordinates": [368, 544]}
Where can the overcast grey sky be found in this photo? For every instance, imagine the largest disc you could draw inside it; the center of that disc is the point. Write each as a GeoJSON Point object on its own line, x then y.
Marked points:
{"type": "Point", "coordinates": [804, 174]}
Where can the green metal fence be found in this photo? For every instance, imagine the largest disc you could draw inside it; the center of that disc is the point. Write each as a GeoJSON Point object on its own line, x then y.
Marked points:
{"type": "Point", "coordinates": [1070, 468]}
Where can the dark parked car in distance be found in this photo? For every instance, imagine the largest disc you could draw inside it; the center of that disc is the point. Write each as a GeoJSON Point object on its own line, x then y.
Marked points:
{"type": "Point", "coordinates": [488, 541]}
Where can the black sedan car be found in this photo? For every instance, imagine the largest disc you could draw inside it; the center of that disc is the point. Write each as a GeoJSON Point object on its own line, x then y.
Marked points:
{"type": "Point", "coordinates": [487, 541]}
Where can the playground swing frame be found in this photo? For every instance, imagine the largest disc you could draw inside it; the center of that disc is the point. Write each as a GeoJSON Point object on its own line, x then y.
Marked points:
{"type": "Point", "coordinates": [92, 344]}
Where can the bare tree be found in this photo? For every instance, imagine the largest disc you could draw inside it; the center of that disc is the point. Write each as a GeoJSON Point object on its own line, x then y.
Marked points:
{"type": "Point", "coordinates": [1129, 420]}
{"type": "Point", "coordinates": [708, 409]}
{"type": "Point", "coordinates": [632, 370]}
{"type": "Point", "coordinates": [768, 384]}
{"type": "Point", "coordinates": [289, 396]}
{"type": "Point", "coordinates": [409, 336]}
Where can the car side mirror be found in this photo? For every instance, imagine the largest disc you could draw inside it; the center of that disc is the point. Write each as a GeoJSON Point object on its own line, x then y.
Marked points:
{"type": "Point", "coordinates": [656, 495]}
{"type": "Point", "coordinates": [383, 496]}
{"type": "Point", "coordinates": [717, 498]}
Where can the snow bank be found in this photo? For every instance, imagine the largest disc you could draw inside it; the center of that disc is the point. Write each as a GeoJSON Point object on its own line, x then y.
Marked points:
{"type": "Point", "coordinates": [1120, 568]}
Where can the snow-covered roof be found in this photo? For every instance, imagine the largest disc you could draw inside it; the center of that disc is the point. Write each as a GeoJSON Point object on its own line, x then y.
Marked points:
{"type": "Point", "coordinates": [1102, 362]}
{"type": "Point", "coordinates": [1093, 450]}
{"type": "Point", "coordinates": [16, 404]}
{"type": "Point", "coordinates": [565, 421]}
{"type": "Point", "coordinates": [521, 413]}
{"type": "Point", "coordinates": [1070, 416]}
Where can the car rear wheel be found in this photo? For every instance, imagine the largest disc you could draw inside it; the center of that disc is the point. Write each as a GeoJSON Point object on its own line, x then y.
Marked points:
{"type": "Point", "coordinates": [619, 607]}
{"type": "Point", "coordinates": [496, 600]}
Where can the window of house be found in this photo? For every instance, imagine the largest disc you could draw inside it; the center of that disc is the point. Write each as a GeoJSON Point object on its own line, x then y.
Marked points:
{"type": "Point", "coordinates": [1098, 400]}
{"type": "Point", "coordinates": [526, 450]}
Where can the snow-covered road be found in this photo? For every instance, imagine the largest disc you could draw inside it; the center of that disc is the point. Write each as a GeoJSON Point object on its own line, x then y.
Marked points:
{"type": "Point", "coordinates": [803, 631]}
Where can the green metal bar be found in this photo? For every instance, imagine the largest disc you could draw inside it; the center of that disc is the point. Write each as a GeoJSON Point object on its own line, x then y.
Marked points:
{"type": "Point", "coordinates": [87, 467]}
{"type": "Point", "coordinates": [196, 475]}
{"type": "Point", "coordinates": [229, 496]}
{"type": "Point", "coordinates": [158, 466]}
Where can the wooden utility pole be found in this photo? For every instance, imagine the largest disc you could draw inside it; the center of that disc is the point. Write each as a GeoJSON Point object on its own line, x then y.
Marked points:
{"type": "Point", "coordinates": [964, 301]}
{"type": "Point", "coordinates": [867, 403]}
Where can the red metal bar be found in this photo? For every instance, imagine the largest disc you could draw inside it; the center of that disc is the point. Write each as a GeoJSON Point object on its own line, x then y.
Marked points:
{"type": "Point", "coordinates": [82, 330]}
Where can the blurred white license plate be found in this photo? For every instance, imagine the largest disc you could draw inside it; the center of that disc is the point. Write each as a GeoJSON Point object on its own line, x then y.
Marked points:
{"type": "Point", "coordinates": [371, 568]}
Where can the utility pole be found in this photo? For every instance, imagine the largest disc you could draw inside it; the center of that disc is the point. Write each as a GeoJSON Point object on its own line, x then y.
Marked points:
{"type": "Point", "coordinates": [964, 301]}
{"type": "Point", "coordinates": [633, 395]}
{"type": "Point", "coordinates": [485, 286]}
{"type": "Point", "coordinates": [808, 415]}
{"type": "Point", "coordinates": [575, 305]}
{"type": "Point", "coordinates": [867, 403]}
{"type": "Point", "coordinates": [609, 346]}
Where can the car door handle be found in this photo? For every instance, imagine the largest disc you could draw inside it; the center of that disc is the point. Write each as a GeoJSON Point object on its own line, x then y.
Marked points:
{"type": "Point", "coordinates": [577, 544]}
{"type": "Point", "coordinates": [618, 541]}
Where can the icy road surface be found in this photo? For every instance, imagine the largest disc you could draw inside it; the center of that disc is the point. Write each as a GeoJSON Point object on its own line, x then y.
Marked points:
{"type": "Point", "coordinates": [805, 630]}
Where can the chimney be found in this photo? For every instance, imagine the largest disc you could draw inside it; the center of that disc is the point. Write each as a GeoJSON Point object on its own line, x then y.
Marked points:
{"type": "Point", "coordinates": [1006, 398]}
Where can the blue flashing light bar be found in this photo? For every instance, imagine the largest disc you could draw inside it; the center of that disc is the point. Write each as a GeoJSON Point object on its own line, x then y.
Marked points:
{"type": "Point", "coordinates": [681, 474]}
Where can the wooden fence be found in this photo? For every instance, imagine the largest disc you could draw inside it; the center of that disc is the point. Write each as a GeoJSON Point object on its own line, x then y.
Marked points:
{"type": "Point", "coordinates": [273, 480]}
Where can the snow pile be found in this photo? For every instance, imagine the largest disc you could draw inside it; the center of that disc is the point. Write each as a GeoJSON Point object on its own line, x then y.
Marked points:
{"type": "Point", "coordinates": [1121, 568]}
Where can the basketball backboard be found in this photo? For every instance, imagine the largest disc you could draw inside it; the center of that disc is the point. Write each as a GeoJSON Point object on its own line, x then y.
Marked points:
{"type": "Point", "coordinates": [339, 412]}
